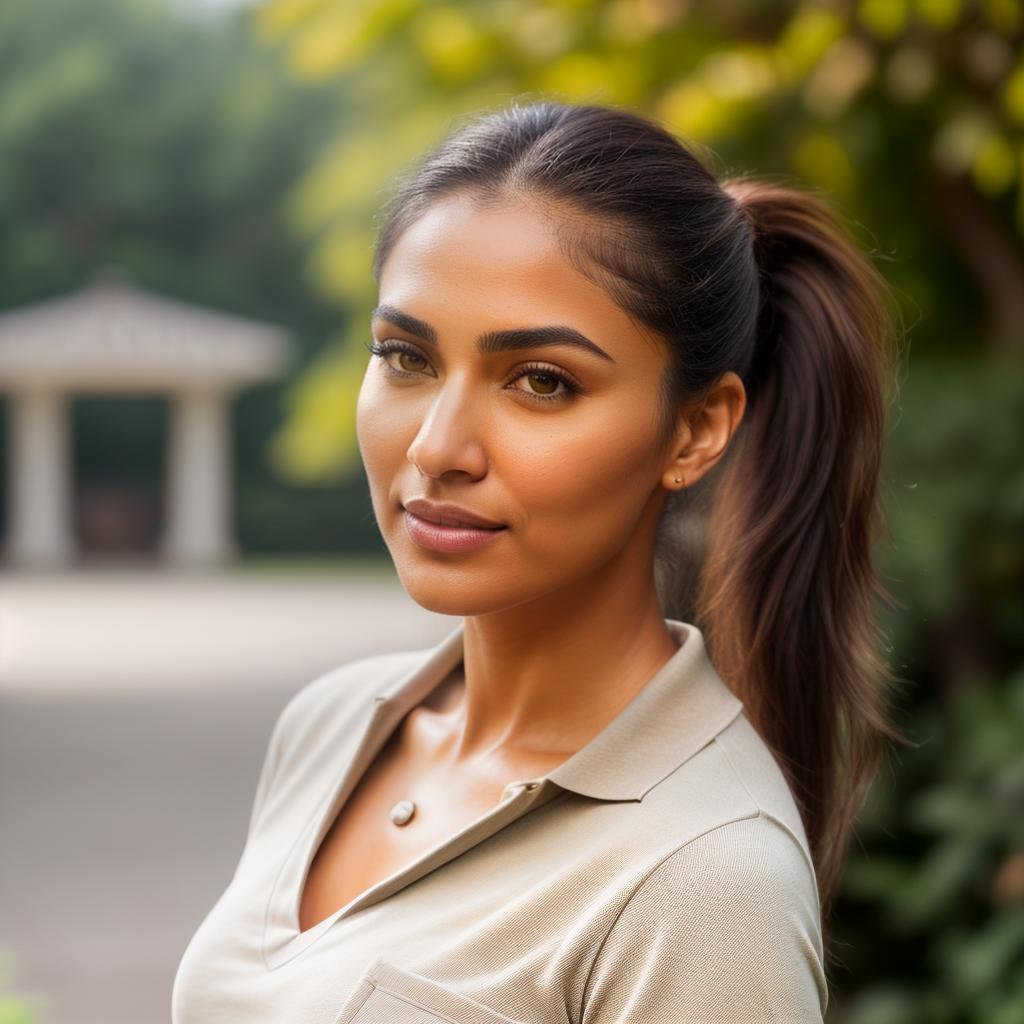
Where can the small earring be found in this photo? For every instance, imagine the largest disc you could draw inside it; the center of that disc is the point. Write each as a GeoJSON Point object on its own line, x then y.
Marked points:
{"type": "Point", "coordinates": [678, 481]}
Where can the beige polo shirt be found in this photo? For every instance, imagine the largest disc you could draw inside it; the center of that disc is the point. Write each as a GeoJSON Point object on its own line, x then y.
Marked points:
{"type": "Point", "coordinates": [659, 874]}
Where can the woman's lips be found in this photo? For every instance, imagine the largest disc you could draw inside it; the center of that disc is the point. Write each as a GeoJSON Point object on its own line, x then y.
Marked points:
{"type": "Point", "coordinates": [448, 538]}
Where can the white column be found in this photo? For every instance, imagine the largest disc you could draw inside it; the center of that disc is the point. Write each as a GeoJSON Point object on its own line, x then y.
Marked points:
{"type": "Point", "coordinates": [199, 479]}
{"type": "Point", "coordinates": [40, 531]}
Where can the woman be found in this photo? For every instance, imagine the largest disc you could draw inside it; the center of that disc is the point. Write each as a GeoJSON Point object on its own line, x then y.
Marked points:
{"type": "Point", "coordinates": [585, 348]}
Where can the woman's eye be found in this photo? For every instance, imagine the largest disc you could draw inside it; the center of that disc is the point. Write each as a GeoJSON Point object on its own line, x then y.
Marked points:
{"type": "Point", "coordinates": [387, 348]}
{"type": "Point", "coordinates": [544, 385]}
{"type": "Point", "coordinates": [403, 354]}
{"type": "Point", "coordinates": [544, 381]}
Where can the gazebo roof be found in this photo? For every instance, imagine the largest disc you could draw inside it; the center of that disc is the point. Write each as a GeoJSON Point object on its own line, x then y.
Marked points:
{"type": "Point", "coordinates": [110, 334]}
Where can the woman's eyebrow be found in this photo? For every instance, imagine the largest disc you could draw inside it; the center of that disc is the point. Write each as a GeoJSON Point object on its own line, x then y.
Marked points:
{"type": "Point", "coordinates": [495, 341]}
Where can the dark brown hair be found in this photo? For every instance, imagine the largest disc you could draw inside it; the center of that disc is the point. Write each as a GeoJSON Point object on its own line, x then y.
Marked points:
{"type": "Point", "coordinates": [759, 278]}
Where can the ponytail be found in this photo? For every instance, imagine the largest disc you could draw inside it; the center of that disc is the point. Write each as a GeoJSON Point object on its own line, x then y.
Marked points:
{"type": "Point", "coordinates": [787, 587]}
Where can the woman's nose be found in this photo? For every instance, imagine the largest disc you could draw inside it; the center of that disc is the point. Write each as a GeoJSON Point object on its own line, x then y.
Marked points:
{"type": "Point", "coordinates": [449, 436]}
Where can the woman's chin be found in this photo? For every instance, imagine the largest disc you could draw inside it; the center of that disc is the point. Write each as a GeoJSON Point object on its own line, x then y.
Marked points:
{"type": "Point", "coordinates": [446, 590]}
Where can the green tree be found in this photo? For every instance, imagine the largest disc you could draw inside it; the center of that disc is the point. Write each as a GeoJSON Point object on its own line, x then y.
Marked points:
{"type": "Point", "coordinates": [135, 136]}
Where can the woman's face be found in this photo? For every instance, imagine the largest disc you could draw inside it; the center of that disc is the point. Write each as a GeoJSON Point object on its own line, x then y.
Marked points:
{"type": "Point", "coordinates": [556, 441]}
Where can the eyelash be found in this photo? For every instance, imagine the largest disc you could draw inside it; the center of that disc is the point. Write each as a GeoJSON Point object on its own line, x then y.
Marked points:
{"type": "Point", "coordinates": [572, 389]}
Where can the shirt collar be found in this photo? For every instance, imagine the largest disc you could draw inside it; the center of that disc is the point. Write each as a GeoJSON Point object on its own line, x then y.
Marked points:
{"type": "Point", "coordinates": [680, 709]}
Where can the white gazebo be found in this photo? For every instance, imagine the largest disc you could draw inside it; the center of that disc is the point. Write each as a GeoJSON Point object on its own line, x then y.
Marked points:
{"type": "Point", "coordinates": [111, 336]}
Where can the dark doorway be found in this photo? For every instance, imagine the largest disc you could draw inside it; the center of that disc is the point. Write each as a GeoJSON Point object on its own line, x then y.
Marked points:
{"type": "Point", "coordinates": [119, 455]}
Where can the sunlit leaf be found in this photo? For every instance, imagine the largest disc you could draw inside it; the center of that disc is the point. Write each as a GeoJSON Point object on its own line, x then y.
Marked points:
{"type": "Point", "coordinates": [538, 31]}
{"type": "Point", "coordinates": [454, 48]}
{"type": "Point", "coordinates": [1019, 205]}
{"type": "Point", "coordinates": [340, 264]}
{"type": "Point", "coordinates": [940, 14]}
{"type": "Point", "coordinates": [746, 72]}
{"type": "Point", "coordinates": [693, 109]}
{"type": "Point", "coordinates": [340, 34]}
{"type": "Point", "coordinates": [847, 66]}
{"type": "Point", "coordinates": [353, 177]}
{"type": "Point", "coordinates": [1005, 15]}
{"type": "Point", "coordinates": [958, 141]}
{"type": "Point", "coordinates": [581, 6]}
{"type": "Point", "coordinates": [806, 38]}
{"type": "Point", "coordinates": [318, 440]}
{"type": "Point", "coordinates": [633, 21]}
{"type": "Point", "coordinates": [276, 19]}
{"type": "Point", "coordinates": [885, 19]}
{"type": "Point", "coordinates": [384, 18]}
{"type": "Point", "coordinates": [1013, 94]}
{"type": "Point", "coordinates": [338, 182]}
{"type": "Point", "coordinates": [994, 168]}
{"type": "Point", "coordinates": [910, 73]}
{"type": "Point", "coordinates": [821, 159]}
{"type": "Point", "coordinates": [580, 75]}
{"type": "Point", "coordinates": [326, 44]}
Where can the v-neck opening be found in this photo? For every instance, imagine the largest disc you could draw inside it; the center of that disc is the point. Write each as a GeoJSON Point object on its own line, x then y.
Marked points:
{"type": "Point", "coordinates": [284, 901]}
{"type": "Point", "coordinates": [326, 818]}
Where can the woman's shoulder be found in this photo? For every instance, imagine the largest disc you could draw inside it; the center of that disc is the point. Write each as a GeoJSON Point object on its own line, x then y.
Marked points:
{"type": "Point", "coordinates": [736, 906]}
{"type": "Point", "coordinates": [734, 778]}
{"type": "Point", "coordinates": [755, 857]}
{"type": "Point", "coordinates": [755, 769]}
{"type": "Point", "coordinates": [731, 888]}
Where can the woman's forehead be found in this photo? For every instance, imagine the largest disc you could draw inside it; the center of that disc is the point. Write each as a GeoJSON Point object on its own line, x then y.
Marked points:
{"type": "Point", "coordinates": [500, 263]}
{"type": "Point", "coordinates": [514, 237]}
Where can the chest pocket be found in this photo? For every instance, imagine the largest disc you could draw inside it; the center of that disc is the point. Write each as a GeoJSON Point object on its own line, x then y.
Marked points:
{"type": "Point", "coordinates": [386, 994]}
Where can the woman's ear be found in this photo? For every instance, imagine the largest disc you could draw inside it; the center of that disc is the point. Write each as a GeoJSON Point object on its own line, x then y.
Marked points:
{"type": "Point", "coordinates": [705, 431]}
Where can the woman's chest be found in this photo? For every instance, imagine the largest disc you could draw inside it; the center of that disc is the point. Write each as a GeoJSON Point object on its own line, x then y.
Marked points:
{"type": "Point", "coordinates": [364, 845]}
{"type": "Point", "coordinates": [368, 841]}
{"type": "Point", "coordinates": [502, 931]}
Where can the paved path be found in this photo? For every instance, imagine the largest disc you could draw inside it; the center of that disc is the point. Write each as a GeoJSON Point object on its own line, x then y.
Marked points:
{"type": "Point", "coordinates": [135, 710]}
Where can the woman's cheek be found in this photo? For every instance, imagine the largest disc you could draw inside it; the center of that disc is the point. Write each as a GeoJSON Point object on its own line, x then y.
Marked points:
{"type": "Point", "coordinates": [378, 430]}
{"type": "Point", "coordinates": [585, 514]}
{"type": "Point", "coordinates": [365, 412]}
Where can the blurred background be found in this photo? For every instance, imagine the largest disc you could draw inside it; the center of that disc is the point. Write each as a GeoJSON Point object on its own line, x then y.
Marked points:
{"type": "Point", "coordinates": [187, 202]}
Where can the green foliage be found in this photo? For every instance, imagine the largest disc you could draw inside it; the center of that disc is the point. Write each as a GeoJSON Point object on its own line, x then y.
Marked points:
{"type": "Point", "coordinates": [934, 897]}
{"type": "Point", "coordinates": [930, 924]}
{"type": "Point", "coordinates": [133, 136]}
{"type": "Point", "coordinates": [954, 489]}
